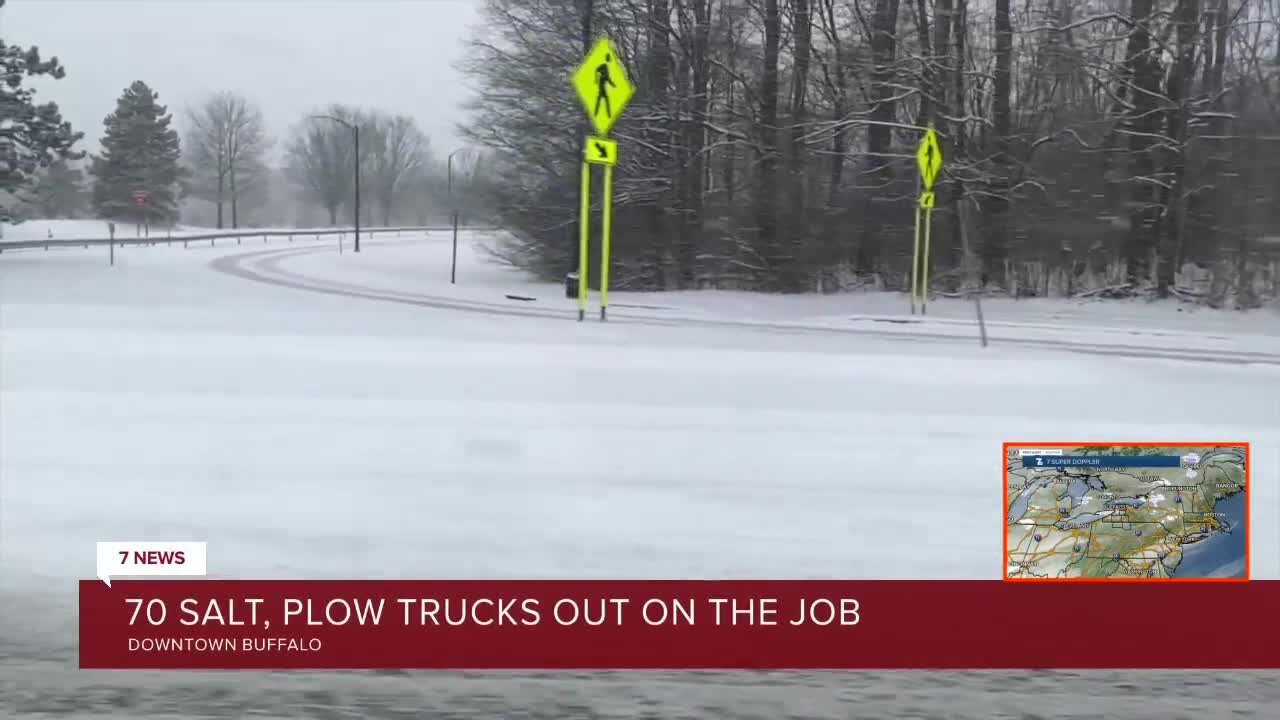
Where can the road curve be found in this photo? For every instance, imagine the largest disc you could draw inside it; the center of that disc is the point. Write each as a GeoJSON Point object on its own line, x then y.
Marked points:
{"type": "Point", "coordinates": [266, 267]}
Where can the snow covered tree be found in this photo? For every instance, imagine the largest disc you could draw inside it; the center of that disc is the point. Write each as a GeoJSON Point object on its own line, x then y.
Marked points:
{"type": "Point", "coordinates": [1121, 148]}
{"type": "Point", "coordinates": [140, 151]}
{"type": "Point", "coordinates": [32, 136]}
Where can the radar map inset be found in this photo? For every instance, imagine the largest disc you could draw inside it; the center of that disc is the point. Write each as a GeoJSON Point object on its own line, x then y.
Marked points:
{"type": "Point", "coordinates": [1126, 512]}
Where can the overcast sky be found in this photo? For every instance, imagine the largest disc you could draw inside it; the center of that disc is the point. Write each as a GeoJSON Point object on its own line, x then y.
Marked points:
{"type": "Point", "coordinates": [288, 56]}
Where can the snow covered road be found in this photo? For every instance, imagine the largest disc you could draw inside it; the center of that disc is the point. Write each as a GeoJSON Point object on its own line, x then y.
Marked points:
{"type": "Point", "coordinates": [314, 434]}
{"type": "Point", "coordinates": [1207, 336]}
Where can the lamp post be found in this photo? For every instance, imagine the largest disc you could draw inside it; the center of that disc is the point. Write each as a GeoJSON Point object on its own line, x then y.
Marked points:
{"type": "Point", "coordinates": [453, 207]}
{"type": "Point", "coordinates": [355, 132]}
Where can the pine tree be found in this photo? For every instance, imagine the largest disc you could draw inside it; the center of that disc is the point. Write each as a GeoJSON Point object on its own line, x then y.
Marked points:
{"type": "Point", "coordinates": [31, 136]}
{"type": "Point", "coordinates": [140, 151]}
{"type": "Point", "coordinates": [59, 191]}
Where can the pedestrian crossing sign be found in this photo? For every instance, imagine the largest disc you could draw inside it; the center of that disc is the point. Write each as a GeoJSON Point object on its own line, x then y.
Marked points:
{"type": "Point", "coordinates": [602, 85]}
{"type": "Point", "coordinates": [929, 158]}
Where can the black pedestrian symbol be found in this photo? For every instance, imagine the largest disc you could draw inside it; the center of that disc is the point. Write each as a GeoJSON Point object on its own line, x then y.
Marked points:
{"type": "Point", "coordinates": [604, 80]}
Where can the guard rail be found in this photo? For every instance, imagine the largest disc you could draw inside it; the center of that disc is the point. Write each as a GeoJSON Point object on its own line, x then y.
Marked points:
{"type": "Point", "coordinates": [213, 237]}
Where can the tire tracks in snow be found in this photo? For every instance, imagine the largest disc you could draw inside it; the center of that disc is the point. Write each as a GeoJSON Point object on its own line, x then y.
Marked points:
{"type": "Point", "coordinates": [266, 267]}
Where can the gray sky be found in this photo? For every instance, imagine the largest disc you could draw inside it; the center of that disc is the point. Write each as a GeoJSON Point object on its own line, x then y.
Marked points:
{"type": "Point", "coordinates": [288, 56]}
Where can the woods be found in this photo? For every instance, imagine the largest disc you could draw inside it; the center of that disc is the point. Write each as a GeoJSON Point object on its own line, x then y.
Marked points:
{"type": "Point", "coordinates": [1118, 147]}
{"type": "Point", "coordinates": [1111, 147]}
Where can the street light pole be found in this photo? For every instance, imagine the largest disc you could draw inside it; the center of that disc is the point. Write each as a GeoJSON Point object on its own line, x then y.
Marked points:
{"type": "Point", "coordinates": [453, 206]}
{"type": "Point", "coordinates": [453, 268]}
{"type": "Point", "coordinates": [355, 131]}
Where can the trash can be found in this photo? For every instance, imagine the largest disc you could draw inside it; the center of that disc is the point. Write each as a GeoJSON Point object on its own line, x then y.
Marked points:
{"type": "Point", "coordinates": [571, 285]}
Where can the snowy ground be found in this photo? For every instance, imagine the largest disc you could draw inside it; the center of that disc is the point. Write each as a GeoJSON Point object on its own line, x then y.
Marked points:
{"type": "Point", "coordinates": [316, 414]}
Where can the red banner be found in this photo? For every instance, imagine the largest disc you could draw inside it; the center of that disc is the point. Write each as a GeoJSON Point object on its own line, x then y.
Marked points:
{"type": "Point", "coordinates": [675, 624]}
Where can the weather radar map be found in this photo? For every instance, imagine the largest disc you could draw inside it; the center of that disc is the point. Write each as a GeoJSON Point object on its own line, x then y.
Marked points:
{"type": "Point", "coordinates": [1126, 512]}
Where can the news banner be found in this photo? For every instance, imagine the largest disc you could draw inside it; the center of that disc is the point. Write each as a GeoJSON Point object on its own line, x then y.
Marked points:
{"type": "Point", "coordinates": [1100, 544]}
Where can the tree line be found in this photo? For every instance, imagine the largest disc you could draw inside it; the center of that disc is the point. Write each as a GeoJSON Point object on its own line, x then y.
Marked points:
{"type": "Point", "coordinates": [222, 158]}
{"type": "Point", "coordinates": [1114, 147]}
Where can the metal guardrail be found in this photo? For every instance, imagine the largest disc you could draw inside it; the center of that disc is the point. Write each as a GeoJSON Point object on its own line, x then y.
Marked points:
{"type": "Point", "coordinates": [213, 237]}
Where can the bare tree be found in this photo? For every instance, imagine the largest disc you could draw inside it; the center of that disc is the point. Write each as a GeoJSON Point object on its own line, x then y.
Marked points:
{"type": "Point", "coordinates": [226, 149]}
{"type": "Point", "coordinates": [879, 131]}
{"type": "Point", "coordinates": [797, 217]}
{"type": "Point", "coordinates": [995, 250]}
{"type": "Point", "coordinates": [472, 173]}
{"type": "Point", "coordinates": [320, 158]}
{"type": "Point", "coordinates": [767, 131]}
{"type": "Point", "coordinates": [393, 150]}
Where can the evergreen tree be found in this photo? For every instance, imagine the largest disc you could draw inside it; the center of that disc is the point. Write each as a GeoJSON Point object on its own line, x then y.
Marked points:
{"type": "Point", "coordinates": [31, 136]}
{"type": "Point", "coordinates": [59, 192]}
{"type": "Point", "coordinates": [140, 151]}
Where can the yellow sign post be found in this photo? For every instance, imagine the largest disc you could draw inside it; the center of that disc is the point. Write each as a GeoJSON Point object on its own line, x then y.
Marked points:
{"type": "Point", "coordinates": [604, 89]}
{"type": "Point", "coordinates": [929, 159]}
{"type": "Point", "coordinates": [601, 151]}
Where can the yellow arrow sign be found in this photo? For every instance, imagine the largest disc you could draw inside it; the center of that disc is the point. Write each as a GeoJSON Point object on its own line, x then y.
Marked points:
{"type": "Point", "coordinates": [602, 85]}
{"type": "Point", "coordinates": [929, 158]}
{"type": "Point", "coordinates": [601, 151]}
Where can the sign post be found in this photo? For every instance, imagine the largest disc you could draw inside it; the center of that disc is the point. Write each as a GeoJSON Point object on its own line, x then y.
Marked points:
{"type": "Point", "coordinates": [142, 199]}
{"type": "Point", "coordinates": [604, 90]}
{"type": "Point", "coordinates": [929, 159]}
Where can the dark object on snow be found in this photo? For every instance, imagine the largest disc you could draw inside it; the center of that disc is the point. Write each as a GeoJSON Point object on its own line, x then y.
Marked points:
{"type": "Point", "coordinates": [521, 297]}
{"type": "Point", "coordinates": [571, 285]}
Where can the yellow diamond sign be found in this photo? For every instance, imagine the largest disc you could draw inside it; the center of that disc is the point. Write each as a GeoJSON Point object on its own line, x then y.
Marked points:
{"type": "Point", "coordinates": [602, 85]}
{"type": "Point", "coordinates": [929, 157]}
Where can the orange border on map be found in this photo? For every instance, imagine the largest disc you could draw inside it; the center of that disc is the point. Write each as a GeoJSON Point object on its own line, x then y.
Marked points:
{"type": "Point", "coordinates": [1004, 510]}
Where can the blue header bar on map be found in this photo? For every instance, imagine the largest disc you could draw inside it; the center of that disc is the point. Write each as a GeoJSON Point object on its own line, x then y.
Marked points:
{"type": "Point", "coordinates": [1141, 461]}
